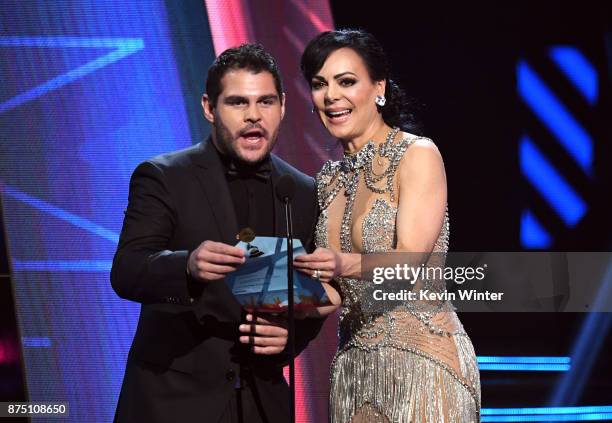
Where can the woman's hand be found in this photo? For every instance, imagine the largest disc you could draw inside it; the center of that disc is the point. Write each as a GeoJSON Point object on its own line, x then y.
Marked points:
{"type": "Point", "coordinates": [323, 264]}
{"type": "Point", "coordinates": [328, 264]}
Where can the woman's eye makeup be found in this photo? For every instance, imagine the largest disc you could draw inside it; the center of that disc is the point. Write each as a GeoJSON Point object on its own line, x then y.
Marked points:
{"type": "Point", "coordinates": [347, 82]}
{"type": "Point", "coordinates": [344, 82]}
{"type": "Point", "coordinates": [316, 84]}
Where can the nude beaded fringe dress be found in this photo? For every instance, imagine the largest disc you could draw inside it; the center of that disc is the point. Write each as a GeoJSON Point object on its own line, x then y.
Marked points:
{"type": "Point", "coordinates": [407, 364]}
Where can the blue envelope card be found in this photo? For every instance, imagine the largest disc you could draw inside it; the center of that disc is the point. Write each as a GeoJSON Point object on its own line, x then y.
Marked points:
{"type": "Point", "coordinates": [260, 284]}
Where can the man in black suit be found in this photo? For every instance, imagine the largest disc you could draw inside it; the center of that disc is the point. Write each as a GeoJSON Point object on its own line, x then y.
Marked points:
{"type": "Point", "coordinates": [196, 355]}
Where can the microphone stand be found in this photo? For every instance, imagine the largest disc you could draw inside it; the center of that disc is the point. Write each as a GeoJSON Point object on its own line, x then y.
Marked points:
{"type": "Point", "coordinates": [290, 309]}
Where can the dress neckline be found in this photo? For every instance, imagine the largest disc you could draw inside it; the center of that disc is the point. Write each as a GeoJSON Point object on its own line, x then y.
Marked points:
{"type": "Point", "coordinates": [354, 161]}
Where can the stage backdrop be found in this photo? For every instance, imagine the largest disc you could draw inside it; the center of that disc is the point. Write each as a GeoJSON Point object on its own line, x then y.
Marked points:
{"type": "Point", "coordinates": [89, 90]}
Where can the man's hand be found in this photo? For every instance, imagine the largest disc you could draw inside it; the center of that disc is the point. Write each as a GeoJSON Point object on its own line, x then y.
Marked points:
{"type": "Point", "coordinates": [213, 260]}
{"type": "Point", "coordinates": [266, 335]}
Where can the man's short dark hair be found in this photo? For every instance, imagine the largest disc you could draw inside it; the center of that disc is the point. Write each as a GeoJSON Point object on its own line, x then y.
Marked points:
{"type": "Point", "coordinates": [251, 57]}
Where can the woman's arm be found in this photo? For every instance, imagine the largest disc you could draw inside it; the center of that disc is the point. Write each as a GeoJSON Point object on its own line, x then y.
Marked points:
{"type": "Point", "coordinates": [422, 198]}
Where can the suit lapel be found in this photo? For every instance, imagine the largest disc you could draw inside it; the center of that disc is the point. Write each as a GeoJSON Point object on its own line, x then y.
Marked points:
{"type": "Point", "coordinates": [211, 175]}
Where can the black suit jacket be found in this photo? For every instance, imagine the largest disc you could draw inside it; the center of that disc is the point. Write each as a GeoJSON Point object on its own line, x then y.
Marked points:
{"type": "Point", "coordinates": [185, 356]}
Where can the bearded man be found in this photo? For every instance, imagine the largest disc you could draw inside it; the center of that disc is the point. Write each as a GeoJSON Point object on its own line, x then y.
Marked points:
{"type": "Point", "coordinates": [197, 356]}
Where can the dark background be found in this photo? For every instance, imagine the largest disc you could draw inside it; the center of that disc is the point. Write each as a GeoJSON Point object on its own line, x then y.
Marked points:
{"type": "Point", "coordinates": [458, 64]}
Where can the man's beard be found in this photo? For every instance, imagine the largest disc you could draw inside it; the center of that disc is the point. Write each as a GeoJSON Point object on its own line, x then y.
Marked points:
{"type": "Point", "coordinates": [226, 142]}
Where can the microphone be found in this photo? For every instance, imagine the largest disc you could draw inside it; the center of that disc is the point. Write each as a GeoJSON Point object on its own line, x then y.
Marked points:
{"type": "Point", "coordinates": [285, 189]}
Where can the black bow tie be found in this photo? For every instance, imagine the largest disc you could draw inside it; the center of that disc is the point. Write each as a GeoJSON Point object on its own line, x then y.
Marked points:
{"type": "Point", "coordinates": [262, 170]}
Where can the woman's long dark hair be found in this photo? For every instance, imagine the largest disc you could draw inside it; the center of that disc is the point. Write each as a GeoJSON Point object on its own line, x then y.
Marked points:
{"type": "Point", "coordinates": [396, 111]}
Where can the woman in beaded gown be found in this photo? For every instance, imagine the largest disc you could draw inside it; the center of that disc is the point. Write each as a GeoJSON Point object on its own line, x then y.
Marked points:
{"type": "Point", "coordinates": [388, 193]}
